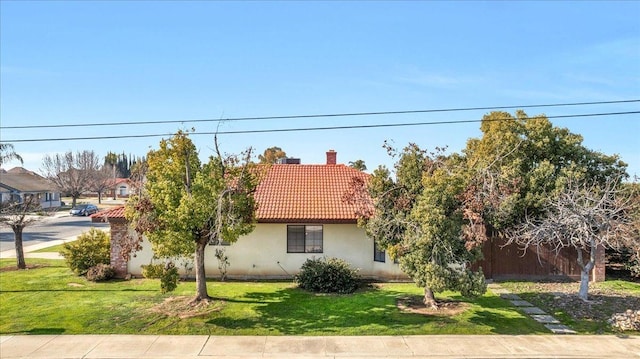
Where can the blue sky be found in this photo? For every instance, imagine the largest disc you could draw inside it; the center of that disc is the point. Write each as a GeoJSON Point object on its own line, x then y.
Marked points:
{"type": "Point", "coordinates": [122, 61]}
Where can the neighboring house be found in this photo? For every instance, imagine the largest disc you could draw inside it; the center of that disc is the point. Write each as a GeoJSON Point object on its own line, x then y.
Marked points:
{"type": "Point", "coordinates": [120, 188]}
{"type": "Point", "coordinates": [300, 215]}
{"type": "Point", "coordinates": [18, 183]}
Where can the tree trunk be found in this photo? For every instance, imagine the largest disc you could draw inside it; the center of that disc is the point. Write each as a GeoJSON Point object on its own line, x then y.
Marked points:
{"type": "Point", "coordinates": [429, 299]}
{"type": "Point", "coordinates": [99, 197]}
{"type": "Point", "coordinates": [586, 268]}
{"type": "Point", "coordinates": [17, 232]}
{"type": "Point", "coordinates": [201, 278]}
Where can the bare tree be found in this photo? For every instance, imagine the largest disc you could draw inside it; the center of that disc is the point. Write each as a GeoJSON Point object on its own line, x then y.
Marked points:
{"type": "Point", "coordinates": [583, 217]}
{"type": "Point", "coordinates": [72, 172]}
{"type": "Point", "coordinates": [102, 180]}
{"type": "Point", "coordinates": [17, 216]}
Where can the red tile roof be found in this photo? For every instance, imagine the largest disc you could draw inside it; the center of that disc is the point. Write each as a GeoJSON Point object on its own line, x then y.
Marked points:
{"type": "Point", "coordinates": [297, 193]}
{"type": "Point", "coordinates": [306, 193]}
{"type": "Point", "coordinates": [112, 213]}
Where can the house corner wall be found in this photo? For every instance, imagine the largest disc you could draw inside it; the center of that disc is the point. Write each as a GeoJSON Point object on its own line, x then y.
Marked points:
{"type": "Point", "coordinates": [118, 231]}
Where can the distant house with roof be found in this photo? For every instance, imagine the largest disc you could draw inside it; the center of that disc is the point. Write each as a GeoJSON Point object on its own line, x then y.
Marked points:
{"type": "Point", "coordinates": [119, 188]}
{"type": "Point", "coordinates": [300, 215]}
{"type": "Point", "coordinates": [17, 184]}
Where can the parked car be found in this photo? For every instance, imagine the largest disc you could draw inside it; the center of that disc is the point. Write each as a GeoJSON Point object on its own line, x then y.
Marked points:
{"type": "Point", "coordinates": [83, 210]}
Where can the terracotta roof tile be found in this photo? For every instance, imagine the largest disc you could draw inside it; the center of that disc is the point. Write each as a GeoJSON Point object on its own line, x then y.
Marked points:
{"type": "Point", "coordinates": [297, 193]}
{"type": "Point", "coordinates": [305, 193]}
{"type": "Point", "coordinates": [106, 214]}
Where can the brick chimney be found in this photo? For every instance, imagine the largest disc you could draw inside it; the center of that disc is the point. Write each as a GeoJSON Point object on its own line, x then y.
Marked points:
{"type": "Point", "coordinates": [331, 157]}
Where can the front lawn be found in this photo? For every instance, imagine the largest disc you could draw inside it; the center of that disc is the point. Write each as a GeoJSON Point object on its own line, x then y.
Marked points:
{"type": "Point", "coordinates": [50, 299]}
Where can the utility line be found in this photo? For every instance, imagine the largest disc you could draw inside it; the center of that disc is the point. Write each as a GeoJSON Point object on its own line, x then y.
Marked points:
{"type": "Point", "coordinates": [318, 128]}
{"type": "Point", "coordinates": [352, 114]}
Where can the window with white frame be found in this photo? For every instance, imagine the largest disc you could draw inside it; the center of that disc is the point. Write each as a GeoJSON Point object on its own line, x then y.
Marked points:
{"type": "Point", "coordinates": [304, 239]}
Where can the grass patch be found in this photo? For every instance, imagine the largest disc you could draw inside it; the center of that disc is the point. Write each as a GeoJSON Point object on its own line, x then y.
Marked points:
{"type": "Point", "coordinates": [50, 299]}
{"type": "Point", "coordinates": [561, 301]}
{"type": "Point", "coordinates": [55, 249]}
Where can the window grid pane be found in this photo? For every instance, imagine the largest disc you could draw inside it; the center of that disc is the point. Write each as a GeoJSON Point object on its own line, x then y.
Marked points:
{"type": "Point", "coordinates": [313, 239]}
{"type": "Point", "coordinates": [378, 255]}
{"type": "Point", "coordinates": [295, 239]}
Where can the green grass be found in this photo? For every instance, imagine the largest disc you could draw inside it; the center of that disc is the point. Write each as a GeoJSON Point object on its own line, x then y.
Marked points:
{"type": "Point", "coordinates": [56, 249]}
{"type": "Point", "coordinates": [51, 300]}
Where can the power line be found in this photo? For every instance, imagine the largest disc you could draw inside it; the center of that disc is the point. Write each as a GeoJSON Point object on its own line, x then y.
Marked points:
{"type": "Point", "coordinates": [315, 128]}
{"type": "Point", "coordinates": [352, 114]}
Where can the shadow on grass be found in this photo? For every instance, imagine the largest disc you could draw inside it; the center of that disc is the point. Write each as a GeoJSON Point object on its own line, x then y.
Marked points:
{"type": "Point", "coordinates": [292, 311]}
{"type": "Point", "coordinates": [78, 290]}
{"type": "Point", "coordinates": [40, 331]}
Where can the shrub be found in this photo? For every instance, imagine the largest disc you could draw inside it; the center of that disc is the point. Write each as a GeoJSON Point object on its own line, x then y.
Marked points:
{"type": "Point", "coordinates": [90, 249]}
{"type": "Point", "coordinates": [169, 278]}
{"type": "Point", "coordinates": [100, 273]}
{"type": "Point", "coordinates": [151, 271]}
{"type": "Point", "coordinates": [167, 272]}
{"type": "Point", "coordinates": [332, 275]}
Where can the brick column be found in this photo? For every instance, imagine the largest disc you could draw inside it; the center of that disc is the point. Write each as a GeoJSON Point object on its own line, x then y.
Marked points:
{"type": "Point", "coordinates": [118, 232]}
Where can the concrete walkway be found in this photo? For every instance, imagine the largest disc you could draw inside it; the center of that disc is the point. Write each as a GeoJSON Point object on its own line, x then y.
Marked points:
{"type": "Point", "coordinates": [433, 346]}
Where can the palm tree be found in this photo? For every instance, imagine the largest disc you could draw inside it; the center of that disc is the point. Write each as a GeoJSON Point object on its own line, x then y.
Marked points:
{"type": "Point", "coordinates": [7, 154]}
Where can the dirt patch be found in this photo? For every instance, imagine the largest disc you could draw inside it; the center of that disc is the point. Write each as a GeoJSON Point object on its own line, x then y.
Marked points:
{"type": "Point", "coordinates": [15, 268]}
{"type": "Point", "coordinates": [556, 297]}
{"type": "Point", "coordinates": [414, 304]}
{"type": "Point", "coordinates": [184, 307]}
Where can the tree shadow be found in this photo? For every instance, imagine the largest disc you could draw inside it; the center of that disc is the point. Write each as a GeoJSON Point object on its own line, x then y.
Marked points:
{"type": "Point", "coordinates": [40, 331]}
{"type": "Point", "coordinates": [292, 311]}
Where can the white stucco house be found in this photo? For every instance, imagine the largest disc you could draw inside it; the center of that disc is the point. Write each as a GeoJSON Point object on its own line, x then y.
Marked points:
{"type": "Point", "coordinates": [301, 214]}
{"type": "Point", "coordinates": [18, 184]}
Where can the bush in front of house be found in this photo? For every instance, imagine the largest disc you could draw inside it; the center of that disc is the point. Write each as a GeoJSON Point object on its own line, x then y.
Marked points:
{"type": "Point", "coordinates": [90, 249]}
{"type": "Point", "coordinates": [100, 272]}
{"type": "Point", "coordinates": [152, 270]}
{"type": "Point", "coordinates": [167, 273]}
{"type": "Point", "coordinates": [327, 275]}
{"type": "Point", "coordinates": [170, 277]}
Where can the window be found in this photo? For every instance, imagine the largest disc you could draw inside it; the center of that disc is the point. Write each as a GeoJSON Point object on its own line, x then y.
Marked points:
{"type": "Point", "coordinates": [304, 239]}
{"type": "Point", "coordinates": [378, 255]}
{"type": "Point", "coordinates": [217, 242]}
{"type": "Point", "coordinates": [123, 190]}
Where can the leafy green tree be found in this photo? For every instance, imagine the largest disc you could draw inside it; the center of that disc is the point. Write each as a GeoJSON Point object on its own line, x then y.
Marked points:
{"type": "Point", "coordinates": [185, 204]}
{"type": "Point", "coordinates": [271, 155]}
{"type": "Point", "coordinates": [358, 164]}
{"type": "Point", "coordinates": [7, 153]}
{"type": "Point", "coordinates": [416, 217]}
{"type": "Point", "coordinates": [523, 172]}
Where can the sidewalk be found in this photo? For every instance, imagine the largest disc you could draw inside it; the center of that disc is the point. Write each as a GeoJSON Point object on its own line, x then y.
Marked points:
{"type": "Point", "coordinates": [433, 346]}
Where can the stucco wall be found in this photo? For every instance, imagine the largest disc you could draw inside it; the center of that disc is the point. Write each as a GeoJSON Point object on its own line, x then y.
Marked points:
{"type": "Point", "coordinates": [263, 254]}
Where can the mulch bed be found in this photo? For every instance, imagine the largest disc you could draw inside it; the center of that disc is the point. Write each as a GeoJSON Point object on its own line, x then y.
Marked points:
{"type": "Point", "coordinates": [603, 302]}
{"type": "Point", "coordinates": [414, 304]}
{"type": "Point", "coordinates": [15, 268]}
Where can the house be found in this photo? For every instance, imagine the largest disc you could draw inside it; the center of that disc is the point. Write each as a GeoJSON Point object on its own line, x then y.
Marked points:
{"type": "Point", "coordinates": [119, 188]}
{"type": "Point", "coordinates": [300, 215]}
{"type": "Point", "coordinates": [18, 183]}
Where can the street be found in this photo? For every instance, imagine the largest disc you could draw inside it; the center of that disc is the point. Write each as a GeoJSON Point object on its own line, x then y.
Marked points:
{"type": "Point", "coordinates": [59, 226]}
